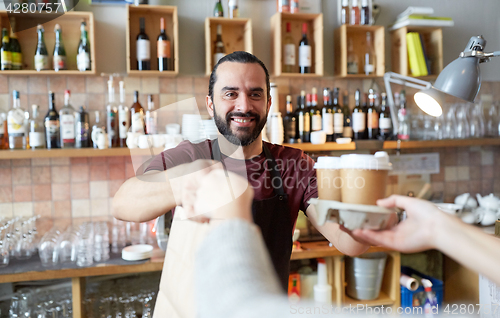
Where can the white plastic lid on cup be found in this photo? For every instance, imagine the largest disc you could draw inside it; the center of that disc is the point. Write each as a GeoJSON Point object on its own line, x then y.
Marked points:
{"type": "Point", "coordinates": [328, 163]}
{"type": "Point", "coordinates": [378, 161]}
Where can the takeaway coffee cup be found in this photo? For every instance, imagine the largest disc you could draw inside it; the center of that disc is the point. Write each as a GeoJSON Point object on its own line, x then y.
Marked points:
{"type": "Point", "coordinates": [328, 178]}
{"type": "Point", "coordinates": [364, 177]}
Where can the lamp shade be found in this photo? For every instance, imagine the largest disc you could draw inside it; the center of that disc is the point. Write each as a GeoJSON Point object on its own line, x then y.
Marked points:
{"type": "Point", "coordinates": [429, 101]}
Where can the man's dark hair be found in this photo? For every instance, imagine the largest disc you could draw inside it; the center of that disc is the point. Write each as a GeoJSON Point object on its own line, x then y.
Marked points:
{"type": "Point", "coordinates": [238, 57]}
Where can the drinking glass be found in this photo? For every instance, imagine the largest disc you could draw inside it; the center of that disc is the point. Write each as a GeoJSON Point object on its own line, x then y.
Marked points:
{"type": "Point", "coordinates": [49, 249]}
{"type": "Point", "coordinates": [85, 249]}
{"type": "Point", "coordinates": [492, 122]}
{"type": "Point", "coordinates": [451, 123]}
{"type": "Point", "coordinates": [68, 243]}
{"type": "Point", "coordinates": [439, 127]}
{"type": "Point", "coordinates": [118, 236]}
{"type": "Point", "coordinates": [462, 128]}
{"type": "Point", "coordinates": [4, 254]}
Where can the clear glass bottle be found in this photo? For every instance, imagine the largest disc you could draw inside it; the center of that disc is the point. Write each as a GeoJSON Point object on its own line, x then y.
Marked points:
{"type": "Point", "coordinates": [404, 125]}
{"type": "Point", "coordinates": [98, 124]}
{"type": "Point", "coordinates": [112, 117]}
{"type": "Point", "coordinates": [36, 131]}
{"type": "Point", "coordinates": [67, 118]}
{"type": "Point", "coordinates": [289, 50]}
{"type": "Point", "coordinates": [151, 117]}
{"type": "Point", "coordinates": [233, 9]}
{"type": "Point", "coordinates": [385, 120]}
{"type": "Point", "coordinates": [344, 14]}
{"type": "Point", "coordinates": [352, 59]}
{"type": "Point", "coordinates": [123, 117]}
{"type": "Point", "coordinates": [355, 15]}
{"type": "Point", "coordinates": [369, 66]}
{"type": "Point", "coordinates": [16, 124]}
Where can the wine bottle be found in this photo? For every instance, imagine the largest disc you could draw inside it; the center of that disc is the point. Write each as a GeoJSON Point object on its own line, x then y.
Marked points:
{"type": "Point", "coordinates": [36, 133]}
{"type": "Point", "coordinates": [218, 10]}
{"type": "Point", "coordinates": [355, 14]}
{"type": "Point", "coordinates": [123, 117]}
{"type": "Point", "coordinates": [315, 112]}
{"type": "Point", "coordinates": [369, 56]}
{"type": "Point", "coordinates": [358, 118]}
{"type": "Point", "coordinates": [143, 52]}
{"type": "Point", "coordinates": [338, 116]}
{"type": "Point", "coordinates": [327, 114]}
{"type": "Point", "coordinates": [385, 120]}
{"type": "Point", "coordinates": [82, 139]}
{"type": "Point", "coordinates": [136, 115]}
{"type": "Point", "coordinates": [233, 9]}
{"type": "Point", "coordinates": [303, 119]}
{"type": "Point", "coordinates": [164, 50]}
{"type": "Point", "coordinates": [365, 16]}
{"type": "Point", "coordinates": [59, 56]}
{"type": "Point", "coordinates": [347, 117]}
{"type": "Point", "coordinates": [15, 120]}
{"type": "Point", "coordinates": [290, 122]}
{"type": "Point", "coordinates": [52, 125]}
{"type": "Point", "coordinates": [5, 51]}
{"type": "Point", "coordinates": [288, 51]}
{"type": "Point", "coordinates": [294, 6]}
{"type": "Point", "coordinates": [151, 117]}
{"type": "Point", "coordinates": [372, 117]}
{"type": "Point", "coordinates": [4, 134]}
{"type": "Point", "coordinates": [219, 48]}
{"type": "Point", "coordinates": [112, 117]}
{"type": "Point", "coordinates": [305, 57]}
{"type": "Point", "coordinates": [15, 48]}
{"type": "Point", "coordinates": [83, 53]}
{"type": "Point", "coordinates": [41, 53]}
{"type": "Point", "coordinates": [67, 120]}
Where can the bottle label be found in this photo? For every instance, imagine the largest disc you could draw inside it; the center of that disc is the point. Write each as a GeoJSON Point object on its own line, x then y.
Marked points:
{"type": "Point", "coordinates": [358, 122]}
{"type": "Point", "coordinates": [217, 57]}
{"type": "Point", "coordinates": [68, 128]}
{"type": "Point", "coordinates": [301, 123]}
{"type": "Point", "coordinates": [111, 129]}
{"type": "Point", "coordinates": [143, 50]}
{"type": "Point", "coordinates": [6, 58]}
{"type": "Point", "coordinates": [284, 5]}
{"type": "Point", "coordinates": [315, 122]}
{"type": "Point", "coordinates": [137, 123]}
{"type": "Point", "coordinates": [305, 55]}
{"type": "Point", "coordinates": [373, 120]}
{"type": "Point", "coordinates": [123, 122]}
{"type": "Point", "coordinates": [352, 68]}
{"type": "Point", "coordinates": [163, 49]}
{"type": "Point", "coordinates": [328, 123]}
{"type": "Point", "coordinates": [52, 128]}
{"type": "Point", "coordinates": [403, 137]}
{"type": "Point", "coordinates": [37, 139]}
{"type": "Point", "coordinates": [338, 123]}
{"type": "Point", "coordinates": [347, 132]}
{"type": "Point", "coordinates": [41, 62]}
{"type": "Point", "coordinates": [83, 61]}
{"type": "Point", "coordinates": [17, 60]}
{"type": "Point", "coordinates": [307, 122]}
{"type": "Point", "coordinates": [369, 68]}
{"type": "Point", "coordinates": [15, 122]}
{"type": "Point", "coordinates": [385, 123]}
{"type": "Point", "coordinates": [82, 129]}
{"type": "Point", "coordinates": [289, 54]}
{"type": "Point", "coordinates": [59, 62]}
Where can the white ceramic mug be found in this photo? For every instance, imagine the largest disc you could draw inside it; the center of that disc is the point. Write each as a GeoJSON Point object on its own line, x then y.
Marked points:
{"type": "Point", "coordinates": [158, 141]}
{"type": "Point", "coordinates": [173, 129]}
{"type": "Point", "coordinates": [145, 141]}
{"type": "Point", "coordinates": [132, 139]}
{"type": "Point", "coordinates": [100, 138]}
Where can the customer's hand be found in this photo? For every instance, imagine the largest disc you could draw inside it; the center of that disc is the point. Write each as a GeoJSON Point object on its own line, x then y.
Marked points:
{"type": "Point", "coordinates": [415, 234]}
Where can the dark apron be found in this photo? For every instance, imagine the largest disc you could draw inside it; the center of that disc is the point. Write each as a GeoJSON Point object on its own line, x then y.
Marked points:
{"type": "Point", "coordinates": [273, 217]}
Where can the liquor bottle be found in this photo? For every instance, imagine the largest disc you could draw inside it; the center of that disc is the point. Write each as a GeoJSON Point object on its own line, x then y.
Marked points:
{"type": "Point", "coordinates": [372, 117]}
{"type": "Point", "coordinates": [352, 59]}
{"type": "Point", "coordinates": [283, 5]}
{"type": "Point", "coordinates": [327, 114]}
{"type": "Point", "coordinates": [219, 49]}
{"type": "Point", "coordinates": [404, 125]}
{"type": "Point", "coordinates": [82, 139]}
{"type": "Point", "coordinates": [5, 52]}
{"type": "Point", "coordinates": [344, 13]}
{"type": "Point", "coordinates": [365, 16]}
{"type": "Point", "coordinates": [218, 10]}
{"type": "Point", "coordinates": [4, 134]}
{"type": "Point", "coordinates": [305, 57]}
{"type": "Point", "coordinates": [151, 117]}
{"type": "Point", "coordinates": [123, 117]}
{"type": "Point", "coordinates": [369, 56]}
{"type": "Point", "coordinates": [338, 116]}
{"type": "Point", "coordinates": [98, 125]}
{"type": "Point", "coordinates": [290, 122]}
{"type": "Point", "coordinates": [136, 115]}
{"type": "Point", "coordinates": [52, 125]}
{"type": "Point", "coordinates": [294, 6]}
{"type": "Point", "coordinates": [233, 9]}
{"type": "Point", "coordinates": [315, 111]}
{"type": "Point", "coordinates": [288, 51]}
{"type": "Point", "coordinates": [67, 120]}
{"type": "Point", "coordinates": [385, 120]}
{"type": "Point", "coordinates": [15, 48]}
{"type": "Point", "coordinates": [347, 117]}
{"type": "Point", "coordinates": [354, 17]}
{"type": "Point", "coordinates": [164, 50]}
{"type": "Point", "coordinates": [83, 52]}
{"type": "Point", "coordinates": [16, 128]}
{"type": "Point", "coordinates": [59, 58]}
{"type": "Point", "coordinates": [36, 131]}
{"type": "Point", "coordinates": [358, 118]}
{"type": "Point", "coordinates": [112, 117]}
{"type": "Point", "coordinates": [303, 119]}
{"type": "Point", "coordinates": [143, 52]}
{"type": "Point", "coordinates": [41, 53]}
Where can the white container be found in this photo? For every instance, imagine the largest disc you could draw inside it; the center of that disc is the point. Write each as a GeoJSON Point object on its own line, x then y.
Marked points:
{"type": "Point", "coordinates": [318, 137]}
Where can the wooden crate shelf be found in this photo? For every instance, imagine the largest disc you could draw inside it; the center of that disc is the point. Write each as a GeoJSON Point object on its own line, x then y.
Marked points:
{"type": "Point", "coordinates": [152, 14]}
{"type": "Point", "coordinates": [236, 35]}
{"type": "Point", "coordinates": [70, 25]}
{"type": "Point", "coordinates": [358, 35]}
{"type": "Point", "coordinates": [314, 34]}
{"type": "Point", "coordinates": [432, 41]}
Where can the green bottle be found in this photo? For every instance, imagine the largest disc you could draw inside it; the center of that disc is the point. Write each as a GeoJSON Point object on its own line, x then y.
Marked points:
{"type": "Point", "coordinates": [83, 53]}
{"type": "Point", "coordinates": [59, 58]}
{"type": "Point", "coordinates": [41, 53]}
{"type": "Point", "coordinates": [218, 10]}
{"type": "Point", "coordinates": [15, 50]}
{"type": "Point", "coordinates": [5, 51]}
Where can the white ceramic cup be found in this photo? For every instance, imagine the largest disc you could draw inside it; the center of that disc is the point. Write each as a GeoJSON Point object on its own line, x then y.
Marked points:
{"type": "Point", "coordinates": [158, 141]}
{"type": "Point", "coordinates": [100, 138]}
{"type": "Point", "coordinates": [132, 139]}
{"type": "Point", "coordinates": [173, 129]}
{"type": "Point", "coordinates": [145, 141]}
{"type": "Point", "coordinates": [318, 137]}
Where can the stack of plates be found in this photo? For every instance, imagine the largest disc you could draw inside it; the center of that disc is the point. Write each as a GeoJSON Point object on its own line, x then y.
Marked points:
{"type": "Point", "coordinates": [191, 127]}
{"type": "Point", "coordinates": [137, 252]}
{"type": "Point", "coordinates": [208, 130]}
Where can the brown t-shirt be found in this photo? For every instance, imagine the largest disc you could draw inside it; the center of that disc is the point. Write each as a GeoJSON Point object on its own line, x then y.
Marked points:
{"type": "Point", "coordinates": [296, 168]}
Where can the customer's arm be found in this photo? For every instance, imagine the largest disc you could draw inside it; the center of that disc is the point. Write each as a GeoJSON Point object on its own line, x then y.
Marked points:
{"type": "Point", "coordinates": [426, 227]}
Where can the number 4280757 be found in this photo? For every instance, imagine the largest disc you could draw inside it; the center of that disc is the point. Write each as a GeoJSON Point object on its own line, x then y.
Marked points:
{"type": "Point", "coordinates": [32, 7]}
{"type": "Point", "coordinates": [471, 309]}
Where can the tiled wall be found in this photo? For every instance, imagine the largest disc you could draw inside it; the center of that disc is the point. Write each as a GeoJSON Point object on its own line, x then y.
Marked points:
{"type": "Point", "coordinates": [66, 190]}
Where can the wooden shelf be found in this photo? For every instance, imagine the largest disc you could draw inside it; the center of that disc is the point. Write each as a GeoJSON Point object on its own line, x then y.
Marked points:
{"type": "Point", "coordinates": [72, 153]}
{"type": "Point", "coordinates": [358, 76]}
{"type": "Point", "coordinates": [322, 249]}
{"type": "Point", "coordinates": [442, 143]}
{"type": "Point", "coordinates": [70, 25]}
{"type": "Point", "coordinates": [382, 300]}
{"type": "Point", "coordinates": [152, 13]}
{"type": "Point", "coordinates": [329, 146]}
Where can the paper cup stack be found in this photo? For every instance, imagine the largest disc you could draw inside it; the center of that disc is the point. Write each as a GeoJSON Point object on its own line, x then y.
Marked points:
{"type": "Point", "coordinates": [191, 127]}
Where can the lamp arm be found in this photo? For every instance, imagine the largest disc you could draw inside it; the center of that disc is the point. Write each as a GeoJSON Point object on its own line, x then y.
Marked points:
{"type": "Point", "coordinates": [482, 56]}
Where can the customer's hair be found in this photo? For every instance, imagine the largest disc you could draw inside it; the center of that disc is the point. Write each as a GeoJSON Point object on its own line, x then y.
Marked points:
{"type": "Point", "coordinates": [238, 57]}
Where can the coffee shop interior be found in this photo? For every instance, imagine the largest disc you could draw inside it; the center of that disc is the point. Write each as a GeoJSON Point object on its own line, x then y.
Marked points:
{"type": "Point", "coordinates": [88, 95]}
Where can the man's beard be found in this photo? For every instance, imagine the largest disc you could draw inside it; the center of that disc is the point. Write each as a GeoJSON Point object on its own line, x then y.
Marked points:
{"type": "Point", "coordinates": [224, 127]}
